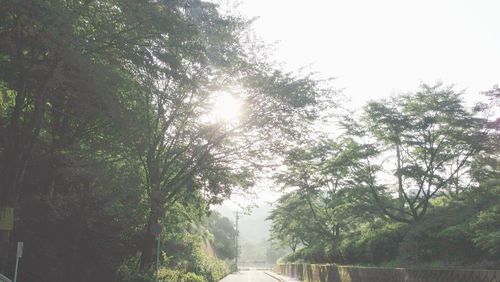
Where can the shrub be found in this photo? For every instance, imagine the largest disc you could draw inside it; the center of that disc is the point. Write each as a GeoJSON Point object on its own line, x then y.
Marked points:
{"type": "Point", "coordinates": [372, 243]}
{"type": "Point", "coordinates": [311, 254]}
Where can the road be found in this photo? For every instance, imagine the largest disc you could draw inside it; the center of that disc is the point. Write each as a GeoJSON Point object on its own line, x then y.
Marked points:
{"type": "Point", "coordinates": [249, 276]}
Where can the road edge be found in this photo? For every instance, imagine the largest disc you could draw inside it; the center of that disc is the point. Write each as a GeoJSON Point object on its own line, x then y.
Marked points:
{"type": "Point", "coordinates": [274, 276]}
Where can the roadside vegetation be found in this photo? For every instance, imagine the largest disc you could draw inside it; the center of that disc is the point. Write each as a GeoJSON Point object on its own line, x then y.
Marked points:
{"type": "Point", "coordinates": [107, 128]}
{"type": "Point", "coordinates": [410, 181]}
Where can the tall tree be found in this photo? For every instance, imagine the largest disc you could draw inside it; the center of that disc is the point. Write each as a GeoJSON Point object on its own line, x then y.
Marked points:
{"type": "Point", "coordinates": [181, 147]}
{"type": "Point", "coordinates": [324, 176]}
{"type": "Point", "coordinates": [93, 86]}
{"type": "Point", "coordinates": [65, 66]}
{"type": "Point", "coordinates": [431, 138]}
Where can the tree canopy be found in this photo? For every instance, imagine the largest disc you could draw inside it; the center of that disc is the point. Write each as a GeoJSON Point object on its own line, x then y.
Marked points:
{"type": "Point", "coordinates": [406, 180]}
{"type": "Point", "coordinates": [105, 126]}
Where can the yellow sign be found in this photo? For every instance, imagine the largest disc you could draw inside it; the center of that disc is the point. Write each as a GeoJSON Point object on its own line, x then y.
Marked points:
{"type": "Point", "coordinates": [7, 219]}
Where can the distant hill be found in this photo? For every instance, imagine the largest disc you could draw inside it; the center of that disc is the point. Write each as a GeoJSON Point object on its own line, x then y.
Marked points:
{"type": "Point", "coordinates": [253, 226]}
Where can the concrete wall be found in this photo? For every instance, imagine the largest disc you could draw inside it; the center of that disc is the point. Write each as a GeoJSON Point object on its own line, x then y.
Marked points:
{"type": "Point", "coordinates": [334, 273]}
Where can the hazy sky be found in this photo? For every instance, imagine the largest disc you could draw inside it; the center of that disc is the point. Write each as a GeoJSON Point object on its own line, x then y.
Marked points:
{"type": "Point", "coordinates": [377, 47]}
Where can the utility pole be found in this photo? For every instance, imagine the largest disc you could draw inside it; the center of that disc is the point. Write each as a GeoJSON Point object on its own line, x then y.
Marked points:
{"type": "Point", "coordinates": [236, 240]}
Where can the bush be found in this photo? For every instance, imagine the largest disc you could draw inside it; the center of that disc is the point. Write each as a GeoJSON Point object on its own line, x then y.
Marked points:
{"type": "Point", "coordinates": [485, 226]}
{"type": "Point", "coordinates": [372, 243]}
{"type": "Point", "coordinates": [310, 254]}
{"type": "Point", "coordinates": [445, 235]}
{"type": "Point", "coordinates": [169, 275]}
{"type": "Point", "coordinates": [211, 268]}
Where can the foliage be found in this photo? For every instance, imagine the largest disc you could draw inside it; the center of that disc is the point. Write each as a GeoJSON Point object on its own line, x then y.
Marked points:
{"type": "Point", "coordinates": [431, 138]}
{"type": "Point", "coordinates": [224, 236]}
{"type": "Point", "coordinates": [291, 225]}
{"type": "Point", "coordinates": [274, 254]}
{"type": "Point", "coordinates": [172, 275]}
{"type": "Point", "coordinates": [321, 207]}
{"type": "Point", "coordinates": [104, 131]}
{"type": "Point", "coordinates": [414, 181]}
{"type": "Point", "coordinates": [184, 256]}
{"type": "Point", "coordinates": [372, 242]}
{"type": "Point", "coordinates": [309, 254]}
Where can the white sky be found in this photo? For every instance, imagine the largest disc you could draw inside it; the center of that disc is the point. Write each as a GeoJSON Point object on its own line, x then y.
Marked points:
{"type": "Point", "coordinates": [377, 47]}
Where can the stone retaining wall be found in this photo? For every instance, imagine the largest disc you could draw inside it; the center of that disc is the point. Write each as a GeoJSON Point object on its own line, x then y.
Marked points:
{"type": "Point", "coordinates": [335, 273]}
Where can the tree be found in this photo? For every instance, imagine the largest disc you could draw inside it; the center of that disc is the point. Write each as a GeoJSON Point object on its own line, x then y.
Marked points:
{"type": "Point", "coordinates": [413, 181]}
{"type": "Point", "coordinates": [290, 227]}
{"type": "Point", "coordinates": [101, 86]}
{"type": "Point", "coordinates": [335, 207]}
{"type": "Point", "coordinates": [431, 138]}
{"type": "Point", "coordinates": [327, 200]}
{"type": "Point", "coordinates": [52, 79]}
{"type": "Point", "coordinates": [224, 236]}
{"type": "Point", "coordinates": [181, 149]}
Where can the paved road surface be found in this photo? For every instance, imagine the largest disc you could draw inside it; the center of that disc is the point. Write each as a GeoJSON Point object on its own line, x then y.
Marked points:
{"type": "Point", "coordinates": [249, 276]}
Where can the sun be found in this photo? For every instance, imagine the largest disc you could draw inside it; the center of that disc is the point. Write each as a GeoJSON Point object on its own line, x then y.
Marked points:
{"type": "Point", "coordinates": [226, 107]}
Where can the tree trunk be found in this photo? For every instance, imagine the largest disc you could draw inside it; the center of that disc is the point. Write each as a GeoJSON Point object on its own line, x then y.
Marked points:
{"type": "Point", "coordinates": [401, 198]}
{"type": "Point", "coordinates": [148, 244]}
{"type": "Point", "coordinates": [157, 202]}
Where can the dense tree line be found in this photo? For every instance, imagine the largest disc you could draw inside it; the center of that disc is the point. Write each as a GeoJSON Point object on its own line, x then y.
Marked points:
{"type": "Point", "coordinates": [105, 130]}
{"type": "Point", "coordinates": [410, 180]}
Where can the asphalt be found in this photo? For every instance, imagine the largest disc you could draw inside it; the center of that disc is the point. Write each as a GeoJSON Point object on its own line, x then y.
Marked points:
{"type": "Point", "coordinates": [250, 276]}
